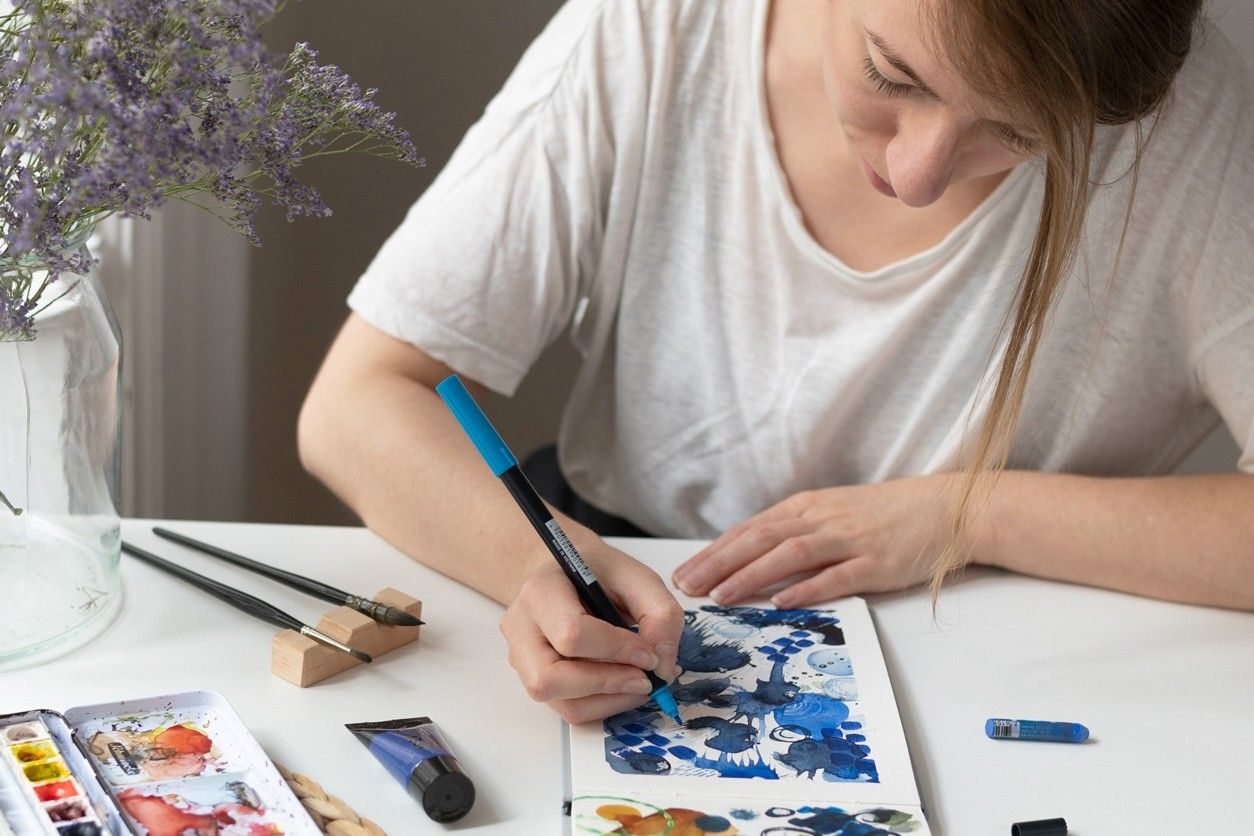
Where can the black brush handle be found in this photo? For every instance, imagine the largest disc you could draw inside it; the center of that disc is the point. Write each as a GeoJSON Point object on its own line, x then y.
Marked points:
{"type": "Point", "coordinates": [236, 598]}
{"type": "Point", "coordinates": [304, 584]}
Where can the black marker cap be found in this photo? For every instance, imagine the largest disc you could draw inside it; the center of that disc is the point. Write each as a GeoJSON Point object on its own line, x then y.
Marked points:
{"type": "Point", "coordinates": [1041, 827]}
{"type": "Point", "coordinates": [444, 791]}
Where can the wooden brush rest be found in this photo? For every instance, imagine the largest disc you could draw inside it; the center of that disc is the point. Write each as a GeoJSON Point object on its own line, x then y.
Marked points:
{"type": "Point", "coordinates": [302, 661]}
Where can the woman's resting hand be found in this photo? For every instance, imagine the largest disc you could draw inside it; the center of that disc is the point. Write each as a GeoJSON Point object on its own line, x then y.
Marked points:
{"type": "Point", "coordinates": [845, 540]}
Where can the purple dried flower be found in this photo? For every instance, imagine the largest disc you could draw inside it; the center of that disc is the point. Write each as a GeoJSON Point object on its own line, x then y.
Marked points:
{"type": "Point", "coordinates": [116, 107]}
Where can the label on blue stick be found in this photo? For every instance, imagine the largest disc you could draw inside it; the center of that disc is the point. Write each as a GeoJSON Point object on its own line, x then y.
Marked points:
{"type": "Point", "coordinates": [999, 729]}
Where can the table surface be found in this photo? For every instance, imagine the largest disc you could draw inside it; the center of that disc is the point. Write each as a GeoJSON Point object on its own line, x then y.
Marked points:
{"type": "Point", "coordinates": [1167, 689]}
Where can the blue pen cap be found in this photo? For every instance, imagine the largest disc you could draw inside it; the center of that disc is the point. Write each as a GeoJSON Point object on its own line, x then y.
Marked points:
{"type": "Point", "coordinates": [485, 438]}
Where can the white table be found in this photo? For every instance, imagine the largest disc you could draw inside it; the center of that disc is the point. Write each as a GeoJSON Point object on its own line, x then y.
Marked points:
{"type": "Point", "coordinates": [1167, 690]}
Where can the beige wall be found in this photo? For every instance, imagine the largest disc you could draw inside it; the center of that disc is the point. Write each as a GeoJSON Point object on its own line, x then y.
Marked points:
{"type": "Point", "coordinates": [437, 63]}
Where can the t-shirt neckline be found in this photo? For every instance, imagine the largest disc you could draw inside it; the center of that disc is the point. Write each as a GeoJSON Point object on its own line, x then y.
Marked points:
{"type": "Point", "coordinates": [764, 140]}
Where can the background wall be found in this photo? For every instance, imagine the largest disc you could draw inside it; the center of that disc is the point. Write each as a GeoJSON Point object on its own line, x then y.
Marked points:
{"type": "Point", "coordinates": [437, 63]}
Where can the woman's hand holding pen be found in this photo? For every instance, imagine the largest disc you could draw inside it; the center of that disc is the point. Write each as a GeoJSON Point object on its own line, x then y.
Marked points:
{"type": "Point", "coordinates": [846, 540]}
{"type": "Point", "coordinates": [583, 667]}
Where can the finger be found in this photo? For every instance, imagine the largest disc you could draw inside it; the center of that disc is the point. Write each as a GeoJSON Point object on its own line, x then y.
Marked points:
{"type": "Point", "coordinates": [849, 577]}
{"type": "Point", "coordinates": [657, 614]}
{"type": "Point", "coordinates": [751, 543]}
{"type": "Point", "coordinates": [790, 508]}
{"type": "Point", "coordinates": [721, 542]}
{"type": "Point", "coordinates": [573, 633]}
{"type": "Point", "coordinates": [546, 676]}
{"type": "Point", "coordinates": [806, 553]}
{"type": "Point", "coordinates": [595, 708]}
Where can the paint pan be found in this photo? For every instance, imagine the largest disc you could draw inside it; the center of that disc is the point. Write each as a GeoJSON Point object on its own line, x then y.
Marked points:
{"type": "Point", "coordinates": [416, 754]}
{"type": "Point", "coordinates": [164, 766]}
{"type": "Point", "coordinates": [187, 764]}
{"type": "Point", "coordinates": [47, 785]}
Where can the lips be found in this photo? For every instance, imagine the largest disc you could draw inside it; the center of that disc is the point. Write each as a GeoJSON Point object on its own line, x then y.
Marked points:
{"type": "Point", "coordinates": [880, 184]}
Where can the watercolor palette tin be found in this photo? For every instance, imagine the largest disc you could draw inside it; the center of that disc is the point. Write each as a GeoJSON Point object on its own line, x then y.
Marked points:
{"type": "Point", "coordinates": [162, 766]}
{"type": "Point", "coordinates": [47, 784]}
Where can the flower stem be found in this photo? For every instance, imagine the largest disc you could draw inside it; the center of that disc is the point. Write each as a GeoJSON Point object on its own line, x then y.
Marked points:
{"type": "Point", "coordinates": [17, 512]}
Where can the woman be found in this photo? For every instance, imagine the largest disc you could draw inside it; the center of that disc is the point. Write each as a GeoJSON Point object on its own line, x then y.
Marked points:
{"type": "Point", "coordinates": [808, 250]}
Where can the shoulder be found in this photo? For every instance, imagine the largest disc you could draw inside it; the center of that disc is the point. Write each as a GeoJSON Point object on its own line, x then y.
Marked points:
{"type": "Point", "coordinates": [1211, 97]}
{"type": "Point", "coordinates": [1206, 121]}
{"type": "Point", "coordinates": [606, 44]}
{"type": "Point", "coordinates": [1195, 162]}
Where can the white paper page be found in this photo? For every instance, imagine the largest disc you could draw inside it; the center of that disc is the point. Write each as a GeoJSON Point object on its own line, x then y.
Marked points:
{"type": "Point", "coordinates": [782, 708]}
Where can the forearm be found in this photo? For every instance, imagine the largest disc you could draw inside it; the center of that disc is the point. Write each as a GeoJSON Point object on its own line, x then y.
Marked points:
{"type": "Point", "coordinates": [384, 443]}
{"type": "Point", "coordinates": [1182, 538]}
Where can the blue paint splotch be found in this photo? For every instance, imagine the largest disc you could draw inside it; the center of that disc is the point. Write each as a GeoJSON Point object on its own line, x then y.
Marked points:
{"type": "Point", "coordinates": [700, 652]}
{"type": "Point", "coordinates": [835, 821]}
{"type": "Point", "coordinates": [823, 622]}
{"type": "Point", "coordinates": [759, 683]}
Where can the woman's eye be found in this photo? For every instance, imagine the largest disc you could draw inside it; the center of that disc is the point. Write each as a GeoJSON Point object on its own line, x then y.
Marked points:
{"type": "Point", "coordinates": [882, 84]}
{"type": "Point", "coordinates": [1015, 140]}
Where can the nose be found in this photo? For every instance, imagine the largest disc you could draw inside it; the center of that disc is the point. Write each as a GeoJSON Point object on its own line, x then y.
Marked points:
{"type": "Point", "coordinates": [920, 158]}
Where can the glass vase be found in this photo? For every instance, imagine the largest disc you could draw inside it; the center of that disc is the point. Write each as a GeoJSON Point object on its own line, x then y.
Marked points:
{"type": "Point", "coordinates": [60, 412]}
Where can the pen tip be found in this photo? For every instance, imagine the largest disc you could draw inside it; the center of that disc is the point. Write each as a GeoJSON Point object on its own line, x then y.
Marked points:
{"type": "Point", "coordinates": [666, 701]}
{"type": "Point", "coordinates": [364, 657]}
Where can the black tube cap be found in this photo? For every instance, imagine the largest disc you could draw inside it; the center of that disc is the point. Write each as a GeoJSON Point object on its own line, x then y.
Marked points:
{"type": "Point", "coordinates": [1041, 827]}
{"type": "Point", "coordinates": [444, 791]}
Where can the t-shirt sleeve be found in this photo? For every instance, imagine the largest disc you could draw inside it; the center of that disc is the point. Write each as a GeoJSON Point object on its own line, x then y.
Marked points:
{"type": "Point", "coordinates": [1222, 309]}
{"type": "Point", "coordinates": [488, 265]}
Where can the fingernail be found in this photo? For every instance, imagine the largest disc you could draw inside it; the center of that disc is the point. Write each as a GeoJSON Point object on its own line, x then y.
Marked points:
{"type": "Point", "coordinates": [637, 685]}
{"type": "Point", "coordinates": [782, 600]}
{"type": "Point", "coordinates": [724, 593]}
{"type": "Point", "coordinates": [644, 659]}
{"type": "Point", "coordinates": [686, 585]}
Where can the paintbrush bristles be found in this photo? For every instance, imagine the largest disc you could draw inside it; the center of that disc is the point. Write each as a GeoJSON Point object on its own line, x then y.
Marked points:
{"type": "Point", "coordinates": [319, 636]}
{"type": "Point", "coordinates": [399, 618]}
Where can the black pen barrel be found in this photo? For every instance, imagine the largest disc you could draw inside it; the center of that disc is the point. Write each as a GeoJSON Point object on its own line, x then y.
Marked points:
{"type": "Point", "coordinates": [586, 584]}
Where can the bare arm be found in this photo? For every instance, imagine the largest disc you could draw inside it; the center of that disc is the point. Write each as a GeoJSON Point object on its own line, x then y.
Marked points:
{"type": "Point", "coordinates": [373, 429]}
{"type": "Point", "coordinates": [1183, 538]}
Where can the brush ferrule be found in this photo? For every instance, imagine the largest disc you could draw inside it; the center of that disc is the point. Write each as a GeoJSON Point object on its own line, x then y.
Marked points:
{"type": "Point", "coordinates": [319, 636]}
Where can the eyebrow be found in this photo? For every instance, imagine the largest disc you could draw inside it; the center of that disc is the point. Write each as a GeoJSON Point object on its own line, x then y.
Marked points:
{"type": "Point", "coordinates": [901, 66]}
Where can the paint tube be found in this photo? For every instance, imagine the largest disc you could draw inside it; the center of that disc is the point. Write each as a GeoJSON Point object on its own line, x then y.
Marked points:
{"type": "Point", "coordinates": [415, 753]}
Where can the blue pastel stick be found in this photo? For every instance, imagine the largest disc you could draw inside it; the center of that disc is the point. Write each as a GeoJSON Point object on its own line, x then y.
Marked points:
{"type": "Point", "coordinates": [999, 729]}
{"type": "Point", "coordinates": [503, 465]}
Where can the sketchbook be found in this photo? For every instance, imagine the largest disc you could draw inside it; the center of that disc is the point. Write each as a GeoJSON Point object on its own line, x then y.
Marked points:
{"type": "Point", "coordinates": [790, 727]}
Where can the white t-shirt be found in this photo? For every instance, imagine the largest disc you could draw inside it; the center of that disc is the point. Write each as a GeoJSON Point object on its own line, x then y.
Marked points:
{"type": "Point", "coordinates": [624, 184]}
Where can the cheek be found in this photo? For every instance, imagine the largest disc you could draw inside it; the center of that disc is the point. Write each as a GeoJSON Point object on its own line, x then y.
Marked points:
{"type": "Point", "coordinates": [986, 155]}
{"type": "Point", "coordinates": [865, 116]}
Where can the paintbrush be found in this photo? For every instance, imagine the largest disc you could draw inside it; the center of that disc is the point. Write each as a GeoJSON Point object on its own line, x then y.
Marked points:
{"type": "Point", "coordinates": [381, 613]}
{"type": "Point", "coordinates": [242, 601]}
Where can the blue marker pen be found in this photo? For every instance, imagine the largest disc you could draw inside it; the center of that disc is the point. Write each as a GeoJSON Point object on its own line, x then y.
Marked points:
{"type": "Point", "coordinates": [999, 729]}
{"type": "Point", "coordinates": [504, 465]}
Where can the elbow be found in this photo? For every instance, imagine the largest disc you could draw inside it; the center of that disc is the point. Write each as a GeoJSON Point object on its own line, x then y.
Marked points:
{"type": "Point", "coordinates": [313, 432]}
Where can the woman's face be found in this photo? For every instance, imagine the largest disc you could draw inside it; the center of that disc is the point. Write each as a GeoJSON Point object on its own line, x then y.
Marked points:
{"type": "Point", "coordinates": [915, 125]}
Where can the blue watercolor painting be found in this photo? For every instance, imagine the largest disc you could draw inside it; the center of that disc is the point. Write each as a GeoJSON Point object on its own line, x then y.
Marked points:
{"type": "Point", "coordinates": [765, 694]}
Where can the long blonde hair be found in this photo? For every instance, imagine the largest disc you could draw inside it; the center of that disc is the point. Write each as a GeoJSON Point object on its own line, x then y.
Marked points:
{"type": "Point", "coordinates": [1061, 67]}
